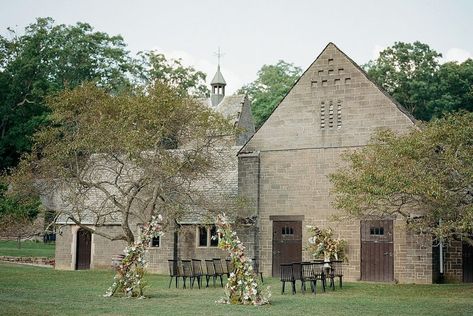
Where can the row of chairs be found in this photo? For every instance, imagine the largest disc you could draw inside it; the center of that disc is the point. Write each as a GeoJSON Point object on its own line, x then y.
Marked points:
{"type": "Point", "coordinates": [192, 270]}
{"type": "Point", "coordinates": [311, 272]}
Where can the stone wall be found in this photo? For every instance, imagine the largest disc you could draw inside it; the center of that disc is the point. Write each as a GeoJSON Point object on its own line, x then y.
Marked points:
{"type": "Point", "coordinates": [453, 262]}
{"type": "Point", "coordinates": [333, 108]}
{"type": "Point", "coordinates": [413, 261]}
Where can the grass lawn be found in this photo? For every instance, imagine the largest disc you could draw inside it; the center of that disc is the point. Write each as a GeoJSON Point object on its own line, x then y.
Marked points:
{"type": "Point", "coordinates": [28, 290]}
{"type": "Point", "coordinates": [28, 249]}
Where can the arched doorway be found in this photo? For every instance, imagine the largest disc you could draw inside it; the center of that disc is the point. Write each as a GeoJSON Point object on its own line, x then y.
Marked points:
{"type": "Point", "coordinates": [84, 242]}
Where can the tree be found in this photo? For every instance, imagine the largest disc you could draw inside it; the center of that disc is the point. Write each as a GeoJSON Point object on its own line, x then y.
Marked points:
{"type": "Point", "coordinates": [108, 156]}
{"type": "Point", "coordinates": [412, 74]}
{"type": "Point", "coordinates": [154, 67]}
{"type": "Point", "coordinates": [407, 72]}
{"type": "Point", "coordinates": [18, 216]}
{"type": "Point", "coordinates": [45, 59]}
{"type": "Point", "coordinates": [270, 87]}
{"type": "Point", "coordinates": [424, 176]}
{"type": "Point", "coordinates": [453, 89]}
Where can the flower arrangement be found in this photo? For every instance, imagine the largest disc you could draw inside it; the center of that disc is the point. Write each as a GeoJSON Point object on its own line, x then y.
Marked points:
{"type": "Point", "coordinates": [242, 286]}
{"type": "Point", "coordinates": [131, 270]}
{"type": "Point", "coordinates": [322, 245]}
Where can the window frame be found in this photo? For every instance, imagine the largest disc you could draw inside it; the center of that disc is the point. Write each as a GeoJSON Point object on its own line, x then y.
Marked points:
{"type": "Point", "coordinates": [210, 243]}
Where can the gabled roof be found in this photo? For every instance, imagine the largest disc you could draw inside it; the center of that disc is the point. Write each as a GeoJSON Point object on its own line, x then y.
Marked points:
{"type": "Point", "coordinates": [230, 107]}
{"type": "Point", "coordinates": [330, 44]}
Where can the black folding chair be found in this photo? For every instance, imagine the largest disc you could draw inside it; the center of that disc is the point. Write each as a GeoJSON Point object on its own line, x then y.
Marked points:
{"type": "Point", "coordinates": [336, 271]}
{"type": "Point", "coordinates": [287, 275]}
{"type": "Point", "coordinates": [210, 271]}
{"type": "Point", "coordinates": [197, 272]}
{"type": "Point", "coordinates": [230, 267]}
{"type": "Point", "coordinates": [320, 273]}
{"type": "Point", "coordinates": [308, 275]}
{"type": "Point", "coordinates": [173, 271]}
{"type": "Point", "coordinates": [297, 272]}
{"type": "Point", "coordinates": [218, 269]}
{"type": "Point", "coordinates": [186, 273]}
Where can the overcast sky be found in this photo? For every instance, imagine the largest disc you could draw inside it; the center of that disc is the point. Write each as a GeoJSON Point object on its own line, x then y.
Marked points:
{"type": "Point", "coordinates": [253, 33]}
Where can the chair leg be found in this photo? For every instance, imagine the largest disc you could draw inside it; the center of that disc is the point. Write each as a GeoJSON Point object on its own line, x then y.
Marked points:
{"type": "Point", "coordinates": [221, 280]}
{"type": "Point", "coordinates": [315, 286]}
{"type": "Point", "coordinates": [170, 281]}
{"type": "Point", "coordinates": [312, 286]}
{"type": "Point", "coordinates": [261, 276]}
{"type": "Point", "coordinates": [293, 287]}
{"type": "Point", "coordinates": [184, 282]}
{"type": "Point", "coordinates": [177, 279]}
{"type": "Point", "coordinates": [283, 285]}
{"type": "Point", "coordinates": [340, 281]}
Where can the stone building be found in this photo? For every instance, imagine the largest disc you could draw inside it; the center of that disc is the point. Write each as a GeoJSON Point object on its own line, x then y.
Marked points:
{"type": "Point", "coordinates": [77, 248]}
{"type": "Point", "coordinates": [281, 173]}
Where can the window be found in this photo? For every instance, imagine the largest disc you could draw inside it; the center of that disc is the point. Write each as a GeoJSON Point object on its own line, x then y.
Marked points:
{"type": "Point", "coordinates": [205, 234]}
{"type": "Point", "coordinates": [377, 231]}
{"type": "Point", "coordinates": [286, 230]}
{"type": "Point", "coordinates": [213, 236]}
{"type": "Point", "coordinates": [155, 242]}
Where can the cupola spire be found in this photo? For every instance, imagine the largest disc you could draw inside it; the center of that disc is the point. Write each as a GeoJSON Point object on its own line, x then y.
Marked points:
{"type": "Point", "coordinates": [217, 84]}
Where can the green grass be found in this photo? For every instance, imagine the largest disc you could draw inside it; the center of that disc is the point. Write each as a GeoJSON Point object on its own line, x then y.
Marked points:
{"type": "Point", "coordinates": [28, 290]}
{"type": "Point", "coordinates": [28, 249]}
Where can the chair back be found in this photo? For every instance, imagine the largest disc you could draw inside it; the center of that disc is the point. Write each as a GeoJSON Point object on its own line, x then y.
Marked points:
{"type": "Point", "coordinates": [297, 270]}
{"type": "Point", "coordinates": [307, 270]}
{"type": "Point", "coordinates": [230, 267]}
{"type": "Point", "coordinates": [287, 272]}
{"type": "Point", "coordinates": [318, 268]}
{"type": "Point", "coordinates": [197, 266]}
{"type": "Point", "coordinates": [173, 268]}
{"type": "Point", "coordinates": [337, 267]}
{"type": "Point", "coordinates": [209, 265]}
{"type": "Point", "coordinates": [218, 266]}
{"type": "Point", "coordinates": [186, 268]}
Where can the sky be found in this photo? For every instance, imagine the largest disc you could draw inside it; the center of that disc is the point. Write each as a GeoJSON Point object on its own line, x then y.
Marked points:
{"type": "Point", "coordinates": [253, 33]}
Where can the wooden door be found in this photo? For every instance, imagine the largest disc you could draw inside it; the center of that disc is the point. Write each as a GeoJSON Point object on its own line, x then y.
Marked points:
{"type": "Point", "coordinates": [377, 250]}
{"type": "Point", "coordinates": [84, 239]}
{"type": "Point", "coordinates": [287, 243]}
{"type": "Point", "coordinates": [467, 256]}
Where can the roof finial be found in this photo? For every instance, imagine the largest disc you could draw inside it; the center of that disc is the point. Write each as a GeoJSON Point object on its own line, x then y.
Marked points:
{"type": "Point", "coordinates": [219, 54]}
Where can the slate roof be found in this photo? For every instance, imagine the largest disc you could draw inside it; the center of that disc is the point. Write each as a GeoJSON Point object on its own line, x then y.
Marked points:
{"type": "Point", "coordinates": [218, 78]}
{"type": "Point", "coordinates": [230, 107]}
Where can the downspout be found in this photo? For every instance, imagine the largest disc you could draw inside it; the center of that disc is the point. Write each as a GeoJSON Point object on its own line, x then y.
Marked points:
{"type": "Point", "coordinates": [441, 277]}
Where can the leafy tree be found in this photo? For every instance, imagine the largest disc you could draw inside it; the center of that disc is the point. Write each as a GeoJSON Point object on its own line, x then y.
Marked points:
{"type": "Point", "coordinates": [424, 176]}
{"type": "Point", "coordinates": [45, 59]}
{"type": "Point", "coordinates": [154, 67]}
{"type": "Point", "coordinates": [106, 156]}
{"type": "Point", "coordinates": [272, 84]}
{"type": "Point", "coordinates": [453, 89]}
{"type": "Point", "coordinates": [18, 216]}
{"type": "Point", "coordinates": [408, 73]}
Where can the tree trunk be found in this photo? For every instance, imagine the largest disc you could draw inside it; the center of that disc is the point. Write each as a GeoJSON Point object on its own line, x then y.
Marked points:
{"type": "Point", "coordinates": [18, 244]}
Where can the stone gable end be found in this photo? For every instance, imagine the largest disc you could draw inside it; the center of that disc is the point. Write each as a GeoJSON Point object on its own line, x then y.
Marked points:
{"type": "Point", "coordinates": [333, 104]}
